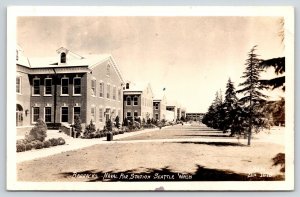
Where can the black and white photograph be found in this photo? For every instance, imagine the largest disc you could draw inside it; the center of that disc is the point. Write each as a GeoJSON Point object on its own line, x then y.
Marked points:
{"type": "Point", "coordinates": [150, 98]}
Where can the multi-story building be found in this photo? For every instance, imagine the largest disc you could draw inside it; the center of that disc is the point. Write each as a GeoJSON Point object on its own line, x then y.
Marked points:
{"type": "Point", "coordinates": [138, 101]}
{"type": "Point", "coordinates": [160, 108]}
{"type": "Point", "coordinates": [58, 89]}
{"type": "Point", "coordinates": [194, 116]}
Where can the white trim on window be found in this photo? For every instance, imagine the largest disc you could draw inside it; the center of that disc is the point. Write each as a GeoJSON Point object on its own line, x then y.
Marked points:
{"type": "Point", "coordinates": [61, 86]}
{"type": "Point", "coordinates": [45, 114]}
{"type": "Point", "coordinates": [94, 87]}
{"type": "Point", "coordinates": [20, 85]}
{"type": "Point", "coordinates": [128, 97]}
{"type": "Point", "coordinates": [137, 101]}
{"type": "Point", "coordinates": [32, 114]}
{"type": "Point", "coordinates": [101, 90]}
{"type": "Point", "coordinates": [45, 86]}
{"type": "Point", "coordinates": [36, 79]}
{"type": "Point", "coordinates": [74, 86]}
{"type": "Point", "coordinates": [62, 114]}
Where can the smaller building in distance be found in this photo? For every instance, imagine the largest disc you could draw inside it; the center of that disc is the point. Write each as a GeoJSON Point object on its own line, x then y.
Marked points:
{"type": "Point", "coordinates": [194, 116]}
{"type": "Point", "coordinates": [138, 101]}
{"type": "Point", "coordinates": [160, 108]}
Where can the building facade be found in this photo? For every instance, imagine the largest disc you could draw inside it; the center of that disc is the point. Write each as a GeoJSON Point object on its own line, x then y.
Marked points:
{"type": "Point", "coordinates": [68, 85]}
{"type": "Point", "coordinates": [138, 102]}
{"type": "Point", "coordinates": [194, 116]}
{"type": "Point", "coordinates": [160, 108]}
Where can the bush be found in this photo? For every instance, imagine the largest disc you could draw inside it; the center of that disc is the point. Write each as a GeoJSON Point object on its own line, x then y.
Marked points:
{"type": "Point", "coordinates": [21, 147]}
{"type": "Point", "coordinates": [28, 147]}
{"type": "Point", "coordinates": [47, 144]}
{"type": "Point", "coordinates": [61, 141]}
{"type": "Point", "coordinates": [29, 138]}
{"type": "Point", "coordinates": [39, 131]}
{"type": "Point", "coordinates": [54, 141]}
{"type": "Point", "coordinates": [34, 143]}
{"type": "Point", "coordinates": [89, 131]}
{"type": "Point", "coordinates": [39, 145]}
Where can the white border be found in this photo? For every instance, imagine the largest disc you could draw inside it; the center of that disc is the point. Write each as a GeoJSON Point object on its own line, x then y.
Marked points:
{"type": "Point", "coordinates": [286, 11]}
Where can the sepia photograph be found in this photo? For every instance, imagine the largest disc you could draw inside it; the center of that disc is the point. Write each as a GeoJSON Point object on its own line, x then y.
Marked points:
{"type": "Point", "coordinates": [150, 98]}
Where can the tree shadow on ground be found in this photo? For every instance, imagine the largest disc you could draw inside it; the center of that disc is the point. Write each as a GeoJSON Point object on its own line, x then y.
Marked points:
{"type": "Point", "coordinates": [204, 135]}
{"type": "Point", "coordinates": [166, 174]}
{"type": "Point", "coordinates": [213, 143]}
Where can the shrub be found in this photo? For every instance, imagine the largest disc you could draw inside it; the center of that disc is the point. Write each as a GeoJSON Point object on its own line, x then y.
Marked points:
{"type": "Point", "coordinates": [34, 143]}
{"type": "Point", "coordinates": [39, 131]}
{"type": "Point", "coordinates": [54, 141]}
{"type": "Point", "coordinates": [89, 130]}
{"type": "Point", "coordinates": [77, 125]}
{"type": "Point", "coordinates": [39, 145]}
{"type": "Point", "coordinates": [21, 147]}
{"type": "Point", "coordinates": [47, 144]}
{"type": "Point", "coordinates": [29, 138]}
{"type": "Point", "coordinates": [117, 120]}
{"type": "Point", "coordinates": [61, 141]}
{"type": "Point", "coordinates": [28, 146]}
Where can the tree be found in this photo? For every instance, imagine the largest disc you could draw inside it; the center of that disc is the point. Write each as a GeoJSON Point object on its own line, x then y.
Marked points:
{"type": "Point", "coordinates": [77, 124]}
{"type": "Point", "coordinates": [39, 131]}
{"type": "Point", "coordinates": [252, 98]}
{"type": "Point", "coordinates": [108, 125]}
{"type": "Point", "coordinates": [230, 107]}
{"type": "Point", "coordinates": [117, 119]}
{"type": "Point", "coordinates": [125, 122]}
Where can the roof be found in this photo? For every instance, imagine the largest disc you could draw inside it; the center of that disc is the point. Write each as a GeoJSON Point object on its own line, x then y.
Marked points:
{"type": "Point", "coordinates": [73, 60]}
{"type": "Point", "coordinates": [21, 58]}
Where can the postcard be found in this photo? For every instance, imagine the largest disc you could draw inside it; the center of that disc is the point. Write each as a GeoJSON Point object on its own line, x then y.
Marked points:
{"type": "Point", "coordinates": [182, 98]}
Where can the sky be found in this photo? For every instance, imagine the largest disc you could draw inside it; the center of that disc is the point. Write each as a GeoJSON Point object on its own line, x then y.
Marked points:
{"type": "Point", "coordinates": [191, 57]}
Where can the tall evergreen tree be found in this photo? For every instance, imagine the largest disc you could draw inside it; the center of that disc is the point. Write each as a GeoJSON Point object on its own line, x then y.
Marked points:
{"type": "Point", "coordinates": [251, 90]}
{"type": "Point", "coordinates": [229, 106]}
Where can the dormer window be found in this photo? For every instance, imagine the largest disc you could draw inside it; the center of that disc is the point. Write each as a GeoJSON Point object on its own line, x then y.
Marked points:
{"type": "Point", "coordinates": [63, 58]}
{"type": "Point", "coordinates": [127, 85]}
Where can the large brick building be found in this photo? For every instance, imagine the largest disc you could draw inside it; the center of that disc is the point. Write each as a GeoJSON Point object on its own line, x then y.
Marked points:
{"type": "Point", "coordinates": [59, 88]}
{"type": "Point", "coordinates": [138, 101]}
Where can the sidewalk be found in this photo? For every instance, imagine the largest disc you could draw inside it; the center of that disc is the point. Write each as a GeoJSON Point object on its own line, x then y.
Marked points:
{"type": "Point", "coordinates": [71, 144]}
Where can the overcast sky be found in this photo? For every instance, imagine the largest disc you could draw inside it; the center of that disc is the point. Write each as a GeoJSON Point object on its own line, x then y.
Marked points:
{"type": "Point", "coordinates": [192, 57]}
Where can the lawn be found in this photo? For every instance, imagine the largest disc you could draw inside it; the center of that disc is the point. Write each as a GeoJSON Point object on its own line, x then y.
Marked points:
{"type": "Point", "coordinates": [198, 161]}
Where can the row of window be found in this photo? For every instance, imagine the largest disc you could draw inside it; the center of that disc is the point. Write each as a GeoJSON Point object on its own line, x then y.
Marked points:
{"type": "Point", "coordinates": [102, 113]}
{"type": "Point", "coordinates": [129, 100]}
{"type": "Point", "coordinates": [36, 90]}
{"type": "Point", "coordinates": [108, 90]}
{"type": "Point", "coordinates": [64, 115]}
{"type": "Point", "coordinates": [129, 114]}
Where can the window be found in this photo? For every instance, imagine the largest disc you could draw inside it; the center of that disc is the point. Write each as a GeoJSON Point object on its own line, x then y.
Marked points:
{"type": "Point", "coordinates": [64, 114]}
{"type": "Point", "coordinates": [65, 86]}
{"type": "Point", "coordinates": [77, 86]}
{"type": "Point", "coordinates": [63, 58]}
{"type": "Point", "coordinates": [108, 91]}
{"type": "Point", "coordinates": [93, 115]}
{"type": "Point", "coordinates": [128, 114]}
{"type": "Point", "coordinates": [100, 115]}
{"type": "Point", "coordinates": [18, 85]}
{"type": "Point", "coordinates": [76, 112]}
{"type": "Point", "coordinates": [119, 94]}
{"type": "Point", "coordinates": [94, 87]}
{"type": "Point", "coordinates": [48, 86]}
{"type": "Point", "coordinates": [36, 113]}
{"type": "Point", "coordinates": [135, 100]}
{"type": "Point", "coordinates": [108, 70]}
{"type": "Point", "coordinates": [156, 105]}
{"type": "Point", "coordinates": [128, 100]}
{"type": "Point", "coordinates": [135, 114]}
{"type": "Point", "coordinates": [47, 114]}
{"type": "Point", "coordinates": [101, 91]}
{"type": "Point", "coordinates": [127, 85]}
{"type": "Point", "coordinates": [36, 86]}
{"type": "Point", "coordinates": [156, 116]}
{"type": "Point", "coordinates": [114, 93]}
